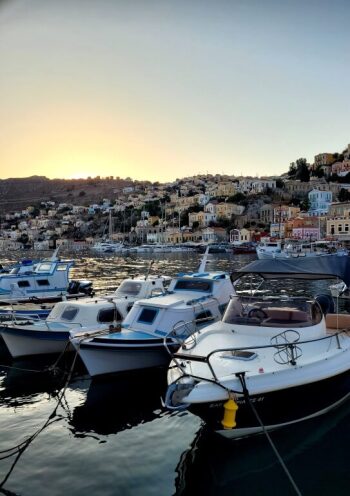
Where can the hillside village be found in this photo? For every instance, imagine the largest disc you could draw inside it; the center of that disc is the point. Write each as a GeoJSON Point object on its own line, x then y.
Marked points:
{"type": "Point", "coordinates": [309, 202]}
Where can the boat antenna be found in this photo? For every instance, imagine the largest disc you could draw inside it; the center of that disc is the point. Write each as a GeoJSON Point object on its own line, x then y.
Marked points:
{"type": "Point", "coordinates": [204, 260]}
{"type": "Point", "coordinates": [54, 256]}
{"type": "Point", "coordinates": [149, 270]}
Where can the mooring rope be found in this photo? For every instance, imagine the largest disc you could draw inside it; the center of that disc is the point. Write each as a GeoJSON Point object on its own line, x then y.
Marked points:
{"type": "Point", "coordinates": [273, 446]}
{"type": "Point", "coordinates": [20, 448]}
{"type": "Point", "coordinates": [11, 367]}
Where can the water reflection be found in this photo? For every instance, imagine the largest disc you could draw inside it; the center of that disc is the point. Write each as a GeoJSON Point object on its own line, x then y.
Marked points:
{"type": "Point", "coordinates": [120, 402]}
{"type": "Point", "coordinates": [214, 465]}
{"type": "Point", "coordinates": [23, 381]}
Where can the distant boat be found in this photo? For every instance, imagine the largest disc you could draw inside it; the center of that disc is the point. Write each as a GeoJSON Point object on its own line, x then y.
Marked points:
{"type": "Point", "coordinates": [282, 250]}
{"type": "Point", "coordinates": [41, 281]}
{"type": "Point", "coordinates": [108, 245]}
{"type": "Point", "coordinates": [244, 248]}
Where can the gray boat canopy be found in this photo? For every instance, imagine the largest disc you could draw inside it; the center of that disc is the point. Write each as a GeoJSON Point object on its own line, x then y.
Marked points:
{"type": "Point", "coordinates": [319, 267]}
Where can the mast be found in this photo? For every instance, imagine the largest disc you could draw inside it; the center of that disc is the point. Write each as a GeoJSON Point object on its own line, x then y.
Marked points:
{"type": "Point", "coordinates": [110, 227]}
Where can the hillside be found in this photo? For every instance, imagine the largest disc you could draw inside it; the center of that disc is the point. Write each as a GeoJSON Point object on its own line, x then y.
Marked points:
{"type": "Point", "coordinates": [16, 193]}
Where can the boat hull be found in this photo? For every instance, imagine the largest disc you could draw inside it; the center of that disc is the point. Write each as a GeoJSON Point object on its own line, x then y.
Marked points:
{"type": "Point", "coordinates": [21, 342]}
{"type": "Point", "coordinates": [278, 408]}
{"type": "Point", "coordinates": [111, 359]}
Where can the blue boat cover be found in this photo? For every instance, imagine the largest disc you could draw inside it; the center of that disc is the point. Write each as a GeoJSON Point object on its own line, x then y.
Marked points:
{"type": "Point", "coordinates": [318, 267]}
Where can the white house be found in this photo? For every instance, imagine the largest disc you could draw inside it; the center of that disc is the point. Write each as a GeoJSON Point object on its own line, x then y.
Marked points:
{"type": "Point", "coordinates": [320, 202]}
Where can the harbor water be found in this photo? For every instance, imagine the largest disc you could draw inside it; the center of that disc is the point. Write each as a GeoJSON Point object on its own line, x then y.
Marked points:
{"type": "Point", "coordinates": [113, 437]}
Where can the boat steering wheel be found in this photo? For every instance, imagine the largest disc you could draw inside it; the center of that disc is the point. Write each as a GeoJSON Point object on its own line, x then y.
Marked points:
{"type": "Point", "coordinates": [257, 313]}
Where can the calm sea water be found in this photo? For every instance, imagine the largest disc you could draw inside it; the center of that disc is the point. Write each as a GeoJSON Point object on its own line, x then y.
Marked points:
{"type": "Point", "coordinates": [113, 437]}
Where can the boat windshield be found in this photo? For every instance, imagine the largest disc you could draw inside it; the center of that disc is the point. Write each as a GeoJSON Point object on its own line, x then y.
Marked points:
{"type": "Point", "coordinates": [272, 312]}
{"type": "Point", "coordinates": [131, 288]}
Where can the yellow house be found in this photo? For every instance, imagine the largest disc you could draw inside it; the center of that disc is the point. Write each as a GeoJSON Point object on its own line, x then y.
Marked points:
{"type": "Point", "coordinates": [203, 218]}
{"type": "Point", "coordinates": [228, 209]}
{"type": "Point", "coordinates": [152, 219]}
{"type": "Point", "coordinates": [225, 189]}
{"type": "Point", "coordinates": [338, 228]}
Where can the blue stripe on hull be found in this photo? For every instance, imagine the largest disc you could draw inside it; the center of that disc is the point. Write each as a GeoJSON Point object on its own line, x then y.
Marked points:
{"type": "Point", "coordinates": [134, 347]}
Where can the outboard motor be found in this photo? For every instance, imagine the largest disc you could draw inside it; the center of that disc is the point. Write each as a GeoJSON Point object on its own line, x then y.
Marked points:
{"type": "Point", "coordinates": [326, 303]}
{"type": "Point", "coordinates": [73, 287]}
{"type": "Point", "coordinates": [86, 288]}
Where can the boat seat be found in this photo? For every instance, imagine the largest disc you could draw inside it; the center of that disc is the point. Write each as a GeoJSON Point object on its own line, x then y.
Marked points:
{"type": "Point", "coordinates": [285, 317]}
{"type": "Point", "coordinates": [286, 314]}
{"type": "Point", "coordinates": [337, 321]}
{"type": "Point", "coordinates": [285, 323]}
{"type": "Point", "coordinates": [247, 320]}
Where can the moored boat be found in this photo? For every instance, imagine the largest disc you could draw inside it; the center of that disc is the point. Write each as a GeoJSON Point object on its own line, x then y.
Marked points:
{"type": "Point", "coordinates": [35, 337]}
{"type": "Point", "coordinates": [192, 301]}
{"type": "Point", "coordinates": [271, 361]}
{"type": "Point", "coordinates": [42, 281]}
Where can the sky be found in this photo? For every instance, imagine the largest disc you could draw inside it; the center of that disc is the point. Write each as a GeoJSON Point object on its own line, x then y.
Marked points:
{"type": "Point", "coordinates": [163, 89]}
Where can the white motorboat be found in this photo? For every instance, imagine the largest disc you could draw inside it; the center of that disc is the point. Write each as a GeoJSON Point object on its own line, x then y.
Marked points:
{"type": "Point", "coordinates": [193, 300]}
{"type": "Point", "coordinates": [270, 362]}
{"type": "Point", "coordinates": [144, 249]}
{"type": "Point", "coordinates": [46, 280]}
{"type": "Point", "coordinates": [35, 337]}
{"type": "Point", "coordinates": [279, 250]}
{"type": "Point", "coordinates": [108, 247]}
{"type": "Point", "coordinates": [268, 249]}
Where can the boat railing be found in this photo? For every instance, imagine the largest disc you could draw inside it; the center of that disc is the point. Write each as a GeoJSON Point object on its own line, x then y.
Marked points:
{"type": "Point", "coordinates": [249, 352]}
{"type": "Point", "coordinates": [12, 318]}
{"type": "Point", "coordinates": [287, 350]}
{"type": "Point", "coordinates": [68, 324]}
{"type": "Point", "coordinates": [185, 331]}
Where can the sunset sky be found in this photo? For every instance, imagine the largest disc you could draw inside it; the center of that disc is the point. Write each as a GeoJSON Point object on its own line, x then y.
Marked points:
{"type": "Point", "coordinates": [157, 89]}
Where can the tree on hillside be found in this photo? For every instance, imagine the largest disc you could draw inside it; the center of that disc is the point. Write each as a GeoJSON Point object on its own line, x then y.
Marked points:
{"type": "Point", "coordinates": [299, 170]}
{"type": "Point", "coordinates": [303, 173]}
{"type": "Point", "coordinates": [194, 208]}
{"type": "Point", "coordinates": [195, 225]}
{"type": "Point", "coordinates": [318, 172]}
{"type": "Point", "coordinates": [237, 198]}
{"type": "Point", "coordinates": [343, 195]}
{"type": "Point", "coordinates": [292, 170]}
{"type": "Point", "coordinates": [305, 205]}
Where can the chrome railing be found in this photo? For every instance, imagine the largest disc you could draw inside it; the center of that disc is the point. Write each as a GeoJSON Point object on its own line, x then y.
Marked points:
{"type": "Point", "coordinates": [292, 352]}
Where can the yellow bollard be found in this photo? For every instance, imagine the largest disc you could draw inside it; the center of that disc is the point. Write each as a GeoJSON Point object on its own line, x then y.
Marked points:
{"type": "Point", "coordinates": [230, 409]}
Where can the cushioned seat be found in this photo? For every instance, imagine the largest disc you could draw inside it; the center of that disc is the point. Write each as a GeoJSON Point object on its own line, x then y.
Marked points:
{"type": "Point", "coordinates": [337, 321]}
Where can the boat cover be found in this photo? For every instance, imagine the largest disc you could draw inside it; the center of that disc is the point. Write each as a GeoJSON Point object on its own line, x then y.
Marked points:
{"type": "Point", "coordinates": [320, 267]}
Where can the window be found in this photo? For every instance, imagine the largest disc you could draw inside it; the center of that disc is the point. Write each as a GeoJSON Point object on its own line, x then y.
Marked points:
{"type": "Point", "coordinates": [69, 313]}
{"type": "Point", "coordinates": [193, 285]}
{"type": "Point", "coordinates": [203, 317]}
{"type": "Point", "coordinates": [44, 267]}
{"type": "Point", "coordinates": [346, 228]}
{"type": "Point", "coordinates": [43, 282]}
{"type": "Point", "coordinates": [130, 288]}
{"type": "Point", "coordinates": [147, 316]}
{"type": "Point", "coordinates": [109, 315]}
{"type": "Point", "coordinates": [62, 267]}
{"type": "Point", "coordinates": [23, 284]}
